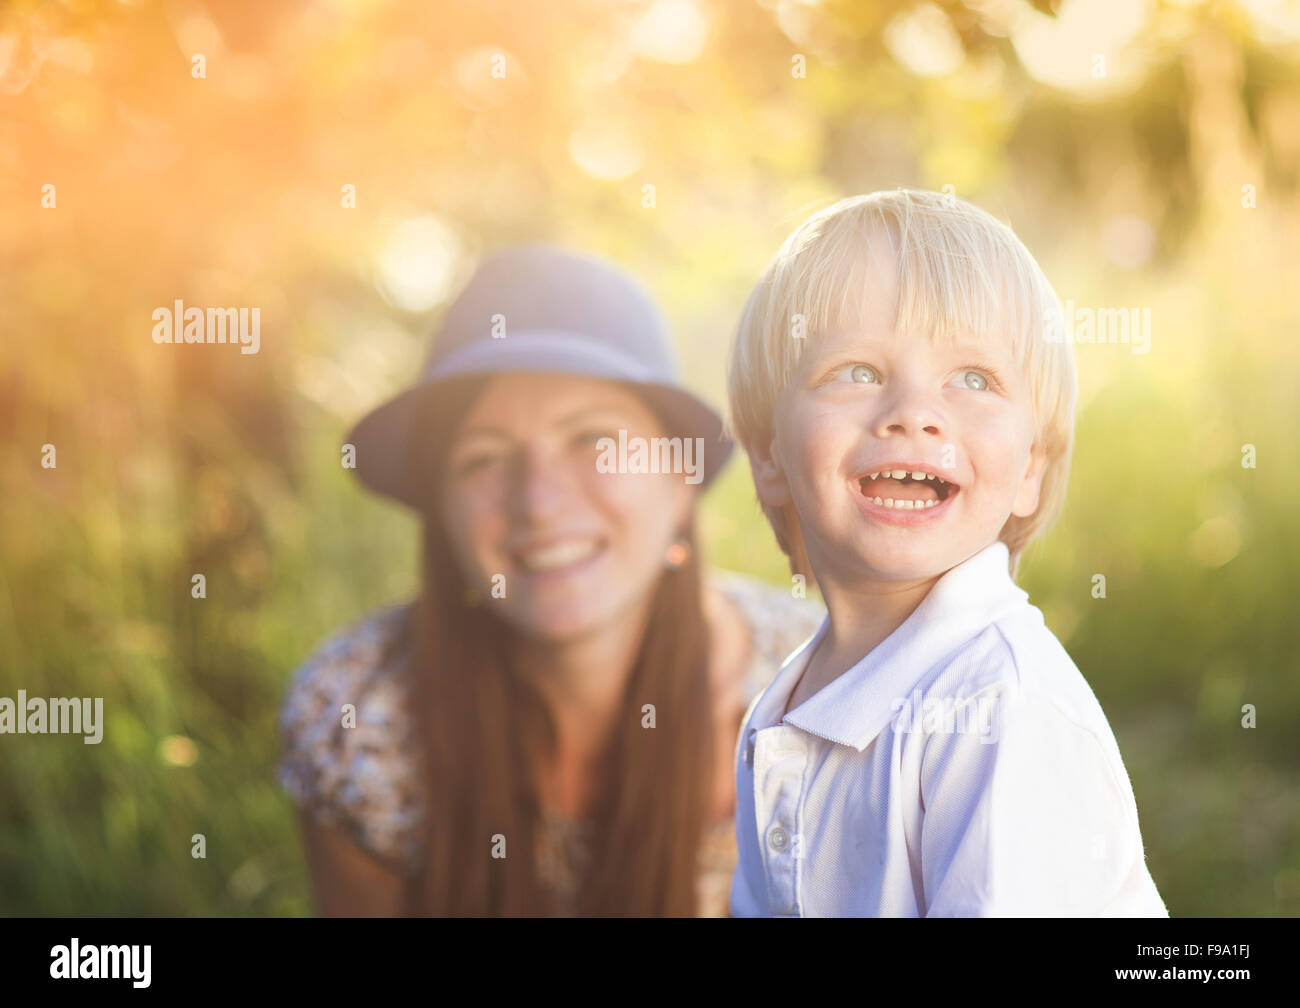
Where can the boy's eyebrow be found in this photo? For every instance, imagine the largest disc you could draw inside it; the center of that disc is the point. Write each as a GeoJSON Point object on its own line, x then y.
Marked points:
{"type": "Point", "coordinates": [837, 343]}
{"type": "Point", "coordinates": [846, 341]}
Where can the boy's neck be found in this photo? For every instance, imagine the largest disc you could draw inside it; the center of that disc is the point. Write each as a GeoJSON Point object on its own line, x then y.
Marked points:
{"type": "Point", "coordinates": [860, 620]}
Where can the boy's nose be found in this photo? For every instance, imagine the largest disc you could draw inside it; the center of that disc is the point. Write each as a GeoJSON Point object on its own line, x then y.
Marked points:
{"type": "Point", "coordinates": [909, 412]}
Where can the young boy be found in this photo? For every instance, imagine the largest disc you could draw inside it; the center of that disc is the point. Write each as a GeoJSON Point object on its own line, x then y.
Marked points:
{"type": "Point", "coordinates": [932, 750]}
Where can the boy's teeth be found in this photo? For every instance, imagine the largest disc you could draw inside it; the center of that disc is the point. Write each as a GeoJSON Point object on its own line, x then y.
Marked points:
{"type": "Point", "coordinates": [902, 474]}
{"type": "Point", "coordinates": [906, 505]}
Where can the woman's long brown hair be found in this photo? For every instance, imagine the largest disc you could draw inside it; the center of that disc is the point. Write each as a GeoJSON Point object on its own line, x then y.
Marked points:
{"type": "Point", "coordinates": [483, 730]}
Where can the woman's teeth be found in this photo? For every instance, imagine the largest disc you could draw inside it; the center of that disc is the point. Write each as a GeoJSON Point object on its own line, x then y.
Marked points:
{"type": "Point", "coordinates": [554, 557]}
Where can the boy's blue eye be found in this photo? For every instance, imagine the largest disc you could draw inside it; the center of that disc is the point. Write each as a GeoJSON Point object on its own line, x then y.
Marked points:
{"type": "Point", "coordinates": [859, 373]}
{"type": "Point", "coordinates": [980, 383]}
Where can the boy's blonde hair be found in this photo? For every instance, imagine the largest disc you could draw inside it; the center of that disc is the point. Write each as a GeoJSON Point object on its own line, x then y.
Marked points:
{"type": "Point", "coordinates": [959, 270]}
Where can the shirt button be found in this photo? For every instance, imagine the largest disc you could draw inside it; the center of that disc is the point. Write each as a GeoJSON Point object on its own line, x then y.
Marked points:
{"type": "Point", "coordinates": [778, 838]}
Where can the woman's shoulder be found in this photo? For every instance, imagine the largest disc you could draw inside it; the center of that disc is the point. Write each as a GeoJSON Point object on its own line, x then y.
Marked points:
{"type": "Point", "coordinates": [345, 664]}
{"type": "Point", "coordinates": [355, 649]}
{"type": "Point", "coordinates": [343, 735]}
{"type": "Point", "coordinates": [779, 622]}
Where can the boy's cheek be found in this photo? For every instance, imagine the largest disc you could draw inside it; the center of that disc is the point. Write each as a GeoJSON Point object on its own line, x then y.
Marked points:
{"type": "Point", "coordinates": [827, 434]}
{"type": "Point", "coordinates": [1004, 440]}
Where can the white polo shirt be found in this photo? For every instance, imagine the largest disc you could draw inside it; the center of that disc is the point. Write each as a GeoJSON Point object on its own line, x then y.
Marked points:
{"type": "Point", "coordinates": [962, 768]}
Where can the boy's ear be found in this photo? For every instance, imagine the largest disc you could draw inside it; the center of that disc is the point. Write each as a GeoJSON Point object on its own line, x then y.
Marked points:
{"type": "Point", "coordinates": [1032, 484]}
{"type": "Point", "coordinates": [769, 476]}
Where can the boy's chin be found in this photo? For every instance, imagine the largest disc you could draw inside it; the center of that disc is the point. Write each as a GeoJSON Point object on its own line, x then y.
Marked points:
{"type": "Point", "coordinates": [868, 566]}
{"type": "Point", "coordinates": [918, 565]}
{"type": "Point", "coordinates": [914, 561]}
{"type": "Point", "coordinates": [906, 573]}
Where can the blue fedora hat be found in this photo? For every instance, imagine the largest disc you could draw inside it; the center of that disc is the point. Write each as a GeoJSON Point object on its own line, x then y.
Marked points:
{"type": "Point", "coordinates": [539, 308]}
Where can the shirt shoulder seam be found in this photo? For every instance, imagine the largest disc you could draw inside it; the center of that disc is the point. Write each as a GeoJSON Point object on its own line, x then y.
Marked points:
{"type": "Point", "coordinates": [1043, 696]}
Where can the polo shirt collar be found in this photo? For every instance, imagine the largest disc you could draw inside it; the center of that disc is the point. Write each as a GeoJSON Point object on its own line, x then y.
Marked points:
{"type": "Point", "coordinates": [856, 706]}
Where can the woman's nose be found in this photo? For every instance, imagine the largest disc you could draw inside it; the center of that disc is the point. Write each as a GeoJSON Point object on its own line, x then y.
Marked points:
{"type": "Point", "coordinates": [541, 484]}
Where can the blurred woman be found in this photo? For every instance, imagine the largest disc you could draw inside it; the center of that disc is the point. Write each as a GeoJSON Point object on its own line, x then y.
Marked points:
{"type": "Point", "coordinates": [549, 728]}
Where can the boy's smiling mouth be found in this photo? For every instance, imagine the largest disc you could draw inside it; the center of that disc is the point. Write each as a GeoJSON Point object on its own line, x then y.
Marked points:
{"type": "Point", "coordinates": [906, 486]}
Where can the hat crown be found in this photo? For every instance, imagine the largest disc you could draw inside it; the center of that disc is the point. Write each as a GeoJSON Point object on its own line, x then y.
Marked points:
{"type": "Point", "coordinates": [539, 290]}
{"type": "Point", "coordinates": [538, 308]}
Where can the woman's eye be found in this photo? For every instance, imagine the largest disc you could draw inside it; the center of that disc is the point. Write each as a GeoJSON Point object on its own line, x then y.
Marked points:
{"type": "Point", "coordinates": [976, 380]}
{"type": "Point", "coordinates": [473, 463]}
{"type": "Point", "coordinates": [592, 438]}
{"type": "Point", "coordinates": [859, 373]}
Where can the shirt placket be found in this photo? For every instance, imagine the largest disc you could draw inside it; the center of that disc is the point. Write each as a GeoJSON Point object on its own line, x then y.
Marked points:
{"type": "Point", "coordinates": [779, 757]}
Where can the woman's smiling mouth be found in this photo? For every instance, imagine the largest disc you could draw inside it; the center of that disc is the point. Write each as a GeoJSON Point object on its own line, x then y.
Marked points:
{"type": "Point", "coordinates": [558, 556]}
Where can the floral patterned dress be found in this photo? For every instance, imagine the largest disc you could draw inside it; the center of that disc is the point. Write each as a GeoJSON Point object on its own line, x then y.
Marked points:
{"type": "Point", "coordinates": [363, 780]}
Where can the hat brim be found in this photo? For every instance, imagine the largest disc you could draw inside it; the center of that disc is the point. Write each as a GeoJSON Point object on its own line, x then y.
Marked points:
{"type": "Point", "coordinates": [383, 439]}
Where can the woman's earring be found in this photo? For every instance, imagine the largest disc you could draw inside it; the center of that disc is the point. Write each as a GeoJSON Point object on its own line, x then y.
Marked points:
{"type": "Point", "coordinates": [678, 553]}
